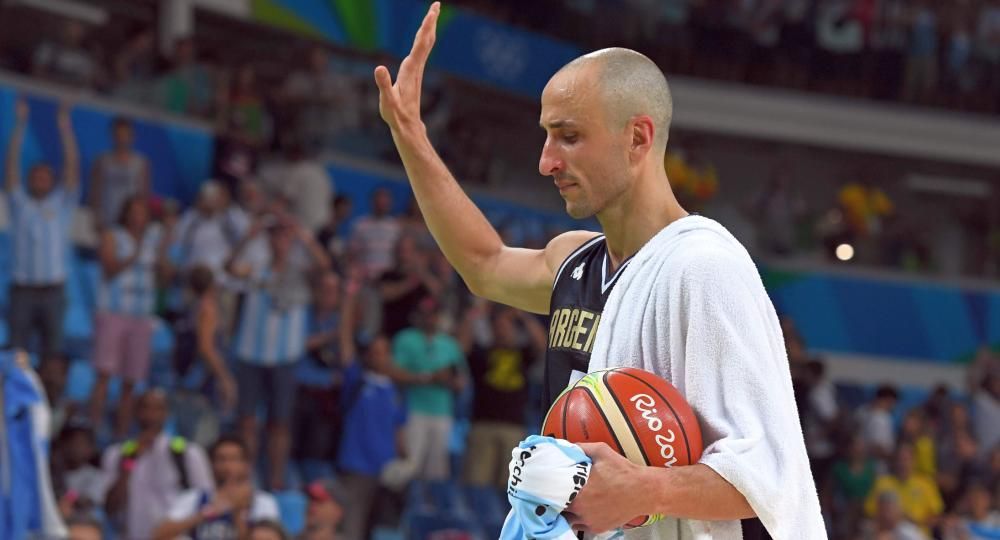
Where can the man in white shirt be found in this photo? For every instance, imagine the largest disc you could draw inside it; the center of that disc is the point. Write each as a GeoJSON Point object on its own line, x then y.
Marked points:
{"type": "Point", "coordinates": [984, 387]}
{"type": "Point", "coordinates": [146, 473]}
{"type": "Point", "coordinates": [876, 422]}
{"type": "Point", "coordinates": [226, 512]}
{"type": "Point", "coordinates": [374, 236]}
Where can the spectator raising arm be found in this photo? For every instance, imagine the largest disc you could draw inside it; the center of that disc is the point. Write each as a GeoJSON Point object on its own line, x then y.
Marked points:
{"type": "Point", "coordinates": [71, 152]}
{"type": "Point", "coordinates": [536, 332]}
{"type": "Point", "coordinates": [320, 260]}
{"type": "Point", "coordinates": [12, 174]}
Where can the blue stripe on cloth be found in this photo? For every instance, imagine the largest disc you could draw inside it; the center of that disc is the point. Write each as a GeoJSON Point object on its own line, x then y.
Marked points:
{"type": "Point", "coordinates": [543, 470]}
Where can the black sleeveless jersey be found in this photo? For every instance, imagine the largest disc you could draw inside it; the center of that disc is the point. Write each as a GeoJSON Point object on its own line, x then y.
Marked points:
{"type": "Point", "coordinates": [579, 292]}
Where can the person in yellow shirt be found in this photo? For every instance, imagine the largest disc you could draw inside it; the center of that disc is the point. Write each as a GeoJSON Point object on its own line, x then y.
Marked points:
{"type": "Point", "coordinates": [918, 495]}
{"type": "Point", "coordinates": [914, 432]}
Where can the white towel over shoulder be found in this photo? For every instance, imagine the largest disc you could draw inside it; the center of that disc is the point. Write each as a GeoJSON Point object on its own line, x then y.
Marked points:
{"type": "Point", "coordinates": [691, 308]}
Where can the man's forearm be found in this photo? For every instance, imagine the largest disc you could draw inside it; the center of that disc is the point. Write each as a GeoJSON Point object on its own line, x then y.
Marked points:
{"type": "Point", "coordinates": [168, 530]}
{"type": "Point", "coordinates": [12, 174]}
{"type": "Point", "coordinates": [694, 492]}
{"type": "Point", "coordinates": [115, 499]}
{"type": "Point", "coordinates": [465, 236]}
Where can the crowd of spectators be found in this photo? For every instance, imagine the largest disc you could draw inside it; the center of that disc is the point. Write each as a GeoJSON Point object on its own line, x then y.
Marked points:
{"type": "Point", "coordinates": [340, 357]}
{"type": "Point", "coordinates": [944, 54]}
{"type": "Point", "coordinates": [885, 470]}
{"type": "Point", "coordinates": [327, 101]}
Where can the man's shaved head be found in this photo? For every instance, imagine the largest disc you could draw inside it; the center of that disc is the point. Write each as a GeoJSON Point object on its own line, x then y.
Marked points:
{"type": "Point", "coordinates": [629, 84]}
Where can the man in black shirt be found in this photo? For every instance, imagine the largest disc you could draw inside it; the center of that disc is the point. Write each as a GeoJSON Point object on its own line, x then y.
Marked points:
{"type": "Point", "coordinates": [498, 364]}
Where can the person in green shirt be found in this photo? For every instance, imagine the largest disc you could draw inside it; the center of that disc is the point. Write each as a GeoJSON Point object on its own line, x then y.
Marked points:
{"type": "Point", "coordinates": [853, 478]}
{"type": "Point", "coordinates": [435, 361]}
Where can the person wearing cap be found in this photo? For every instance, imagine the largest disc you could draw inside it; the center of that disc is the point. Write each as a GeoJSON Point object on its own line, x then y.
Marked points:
{"type": "Point", "coordinates": [325, 510]}
{"type": "Point", "coordinates": [147, 472]}
{"type": "Point", "coordinates": [207, 233]}
{"type": "Point", "coordinates": [225, 512]}
{"type": "Point", "coordinates": [435, 359]}
{"type": "Point", "coordinates": [271, 333]}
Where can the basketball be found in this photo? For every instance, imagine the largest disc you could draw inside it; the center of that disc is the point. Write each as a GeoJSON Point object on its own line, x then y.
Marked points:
{"type": "Point", "coordinates": [638, 414]}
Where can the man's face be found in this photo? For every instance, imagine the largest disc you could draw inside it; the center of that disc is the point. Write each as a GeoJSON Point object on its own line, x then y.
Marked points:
{"type": "Point", "coordinates": [381, 202]}
{"type": "Point", "coordinates": [229, 464]}
{"type": "Point", "coordinates": [505, 329]}
{"type": "Point", "coordinates": [319, 60]}
{"type": "Point", "coordinates": [889, 513]}
{"type": "Point", "coordinates": [586, 157]}
{"type": "Point", "coordinates": [904, 463]}
{"type": "Point", "coordinates": [84, 532]}
{"type": "Point", "coordinates": [379, 355]}
{"type": "Point", "coordinates": [151, 412]}
{"type": "Point", "coordinates": [41, 180]}
{"type": "Point", "coordinates": [280, 239]}
{"type": "Point", "coordinates": [328, 292]}
{"type": "Point", "coordinates": [123, 136]}
{"type": "Point", "coordinates": [80, 448]}
{"type": "Point", "coordinates": [264, 533]}
{"type": "Point", "coordinates": [980, 502]}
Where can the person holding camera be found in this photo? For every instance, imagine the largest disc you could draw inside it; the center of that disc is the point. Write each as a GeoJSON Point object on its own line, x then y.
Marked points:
{"type": "Point", "coordinates": [271, 333]}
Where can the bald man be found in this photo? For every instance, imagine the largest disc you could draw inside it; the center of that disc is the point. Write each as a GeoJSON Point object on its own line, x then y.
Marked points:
{"type": "Point", "coordinates": [606, 116]}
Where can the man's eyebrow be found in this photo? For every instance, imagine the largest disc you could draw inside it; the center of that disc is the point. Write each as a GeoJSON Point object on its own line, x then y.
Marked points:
{"type": "Point", "coordinates": [556, 124]}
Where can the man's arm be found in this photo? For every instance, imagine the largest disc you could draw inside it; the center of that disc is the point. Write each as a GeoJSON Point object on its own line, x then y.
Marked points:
{"type": "Point", "coordinates": [95, 192]}
{"type": "Point", "coordinates": [693, 492]}
{"type": "Point", "coordinates": [117, 494]}
{"type": "Point", "coordinates": [71, 152]}
{"type": "Point", "coordinates": [107, 255]}
{"type": "Point", "coordinates": [184, 515]}
{"type": "Point", "coordinates": [12, 174]}
{"type": "Point", "coordinates": [320, 260]}
{"type": "Point", "coordinates": [145, 180]}
{"type": "Point", "coordinates": [518, 277]}
{"type": "Point", "coordinates": [168, 530]}
{"type": "Point", "coordinates": [233, 266]}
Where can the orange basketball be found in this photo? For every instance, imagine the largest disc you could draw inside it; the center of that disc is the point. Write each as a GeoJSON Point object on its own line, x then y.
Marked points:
{"type": "Point", "coordinates": [638, 414]}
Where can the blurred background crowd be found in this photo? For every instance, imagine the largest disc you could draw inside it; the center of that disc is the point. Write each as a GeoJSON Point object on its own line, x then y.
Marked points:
{"type": "Point", "coordinates": [262, 348]}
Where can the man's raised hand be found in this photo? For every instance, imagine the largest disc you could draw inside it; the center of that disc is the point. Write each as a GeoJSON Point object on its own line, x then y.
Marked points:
{"type": "Point", "coordinates": [399, 103]}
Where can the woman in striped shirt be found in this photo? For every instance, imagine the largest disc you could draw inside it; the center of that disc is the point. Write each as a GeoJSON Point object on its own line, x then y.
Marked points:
{"type": "Point", "coordinates": [132, 255]}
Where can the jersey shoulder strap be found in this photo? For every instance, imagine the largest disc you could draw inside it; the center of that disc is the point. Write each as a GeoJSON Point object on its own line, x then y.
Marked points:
{"type": "Point", "coordinates": [575, 253]}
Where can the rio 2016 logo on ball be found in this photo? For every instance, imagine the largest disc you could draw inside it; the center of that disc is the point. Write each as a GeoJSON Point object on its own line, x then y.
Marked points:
{"type": "Point", "coordinates": [636, 413]}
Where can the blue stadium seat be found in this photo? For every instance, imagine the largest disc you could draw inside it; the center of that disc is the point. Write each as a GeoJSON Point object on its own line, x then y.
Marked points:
{"type": "Point", "coordinates": [386, 533]}
{"type": "Point", "coordinates": [426, 526]}
{"type": "Point", "coordinates": [79, 380]}
{"type": "Point", "coordinates": [163, 338]}
{"type": "Point", "coordinates": [292, 506]}
{"type": "Point", "coordinates": [489, 509]}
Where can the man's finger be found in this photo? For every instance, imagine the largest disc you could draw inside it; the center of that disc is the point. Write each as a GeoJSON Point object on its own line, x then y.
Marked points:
{"type": "Point", "coordinates": [424, 39]}
{"type": "Point", "coordinates": [595, 450]}
{"type": "Point", "coordinates": [384, 80]}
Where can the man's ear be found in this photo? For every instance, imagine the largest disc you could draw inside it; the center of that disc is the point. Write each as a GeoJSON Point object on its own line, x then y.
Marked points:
{"type": "Point", "coordinates": [643, 133]}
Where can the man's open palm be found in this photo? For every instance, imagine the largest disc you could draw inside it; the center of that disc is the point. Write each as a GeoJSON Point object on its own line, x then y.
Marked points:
{"type": "Point", "coordinates": [399, 103]}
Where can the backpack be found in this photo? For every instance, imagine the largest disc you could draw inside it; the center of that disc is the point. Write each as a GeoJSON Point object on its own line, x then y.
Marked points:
{"type": "Point", "coordinates": [178, 447]}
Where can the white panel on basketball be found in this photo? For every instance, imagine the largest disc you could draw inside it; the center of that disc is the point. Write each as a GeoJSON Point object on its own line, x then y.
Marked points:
{"type": "Point", "coordinates": [616, 419]}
